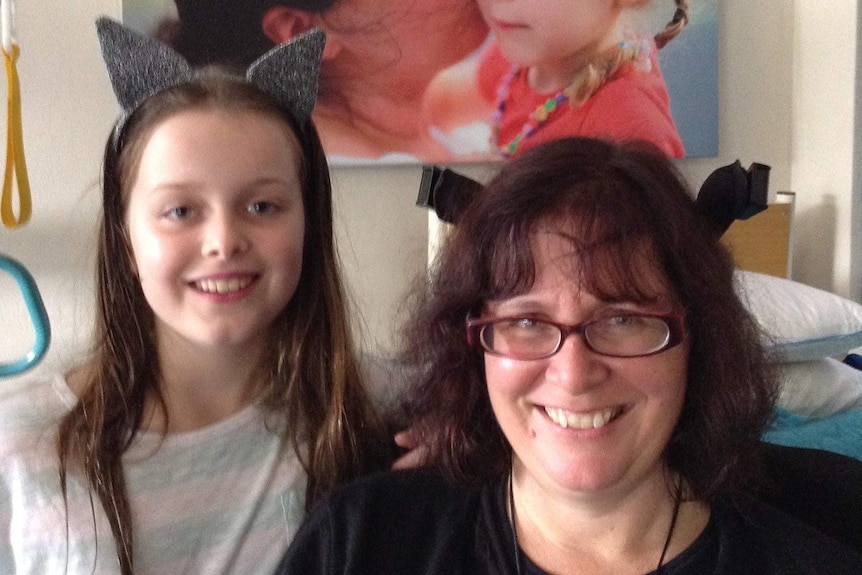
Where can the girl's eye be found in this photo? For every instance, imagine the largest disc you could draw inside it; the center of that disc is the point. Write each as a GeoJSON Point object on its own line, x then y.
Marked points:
{"type": "Point", "coordinates": [262, 207]}
{"type": "Point", "coordinates": [177, 213]}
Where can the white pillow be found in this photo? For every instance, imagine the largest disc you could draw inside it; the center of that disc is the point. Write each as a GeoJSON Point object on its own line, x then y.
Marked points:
{"type": "Point", "coordinates": [801, 322]}
{"type": "Point", "coordinates": [820, 387]}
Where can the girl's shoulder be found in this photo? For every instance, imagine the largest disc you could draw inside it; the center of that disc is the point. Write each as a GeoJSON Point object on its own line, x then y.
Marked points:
{"type": "Point", "coordinates": [30, 410]}
{"type": "Point", "coordinates": [25, 398]}
{"type": "Point", "coordinates": [492, 70]}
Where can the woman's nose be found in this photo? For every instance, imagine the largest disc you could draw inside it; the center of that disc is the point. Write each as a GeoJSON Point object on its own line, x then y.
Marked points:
{"type": "Point", "coordinates": [575, 366]}
{"type": "Point", "coordinates": [225, 237]}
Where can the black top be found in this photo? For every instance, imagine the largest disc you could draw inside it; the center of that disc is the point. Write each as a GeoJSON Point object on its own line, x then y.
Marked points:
{"type": "Point", "coordinates": [416, 522]}
{"type": "Point", "coordinates": [822, 488]}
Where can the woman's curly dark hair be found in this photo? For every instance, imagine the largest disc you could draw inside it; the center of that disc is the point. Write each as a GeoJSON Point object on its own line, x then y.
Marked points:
{"type": "Point", "coordinates": [618, 199]}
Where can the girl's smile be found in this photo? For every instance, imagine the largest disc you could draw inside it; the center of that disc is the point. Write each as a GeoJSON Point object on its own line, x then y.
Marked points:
{"type": "Point", "coordinates": [559, 35]}
{"type": "Point", "coordinates": [498, 25]}
{"type": "Point", "coordinates": [216, 225]}
{"type": "Point", "coordinates": [228, 286]}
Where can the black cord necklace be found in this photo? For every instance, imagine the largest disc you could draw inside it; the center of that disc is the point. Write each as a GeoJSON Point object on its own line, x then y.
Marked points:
{"type": "Point", "coordinates": [511, 508]}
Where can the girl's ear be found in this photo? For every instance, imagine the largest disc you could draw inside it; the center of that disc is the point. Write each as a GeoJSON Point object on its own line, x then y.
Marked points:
{"type": "Point", "coordinates": [281, 23]}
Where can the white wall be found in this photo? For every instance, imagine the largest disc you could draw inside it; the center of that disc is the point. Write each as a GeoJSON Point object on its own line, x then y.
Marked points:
{"type": "Point", "coordinates": [824, 72]}
{"type": "Point", "coordinates": [68, 109]}
{"type": "Point", "coordinates": [786, 96]}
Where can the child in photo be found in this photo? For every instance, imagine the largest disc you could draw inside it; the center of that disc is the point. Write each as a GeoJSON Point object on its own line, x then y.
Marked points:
{"type": "Point", "coordinates": [556, 68]}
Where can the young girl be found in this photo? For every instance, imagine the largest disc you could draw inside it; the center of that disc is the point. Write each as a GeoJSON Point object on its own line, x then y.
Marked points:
{"type": "Point", "coordinates": [560, 68]}
{"type": "Point", "coordinates": [223, 395]}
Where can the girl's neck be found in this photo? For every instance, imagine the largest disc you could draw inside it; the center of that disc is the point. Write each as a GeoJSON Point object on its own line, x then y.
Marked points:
{"type": "Point", "coordinates": [202, 387]}
{"type": "Point", "coordinates": [553, 74]}
{"type": "Point", "coordinates": [617, 533]}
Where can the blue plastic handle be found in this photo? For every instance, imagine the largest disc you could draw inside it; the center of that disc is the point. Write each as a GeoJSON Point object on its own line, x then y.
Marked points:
{"type": "Point", "coordinates": [38, 317]}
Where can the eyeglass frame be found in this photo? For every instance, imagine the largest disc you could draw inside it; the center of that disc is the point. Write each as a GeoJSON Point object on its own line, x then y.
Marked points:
{"type": "Point", "coordinates": [675, 323]}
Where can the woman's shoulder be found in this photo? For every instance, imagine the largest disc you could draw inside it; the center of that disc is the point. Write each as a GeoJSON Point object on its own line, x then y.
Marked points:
{"type": "Point", "coordinates": [419, 488]}
{"type": "Point", "coordinates": [821, 488]}
{"type": "Point", "coordinates": [408, 521]}
{"type": "Point", "coordinates": [753, 532]}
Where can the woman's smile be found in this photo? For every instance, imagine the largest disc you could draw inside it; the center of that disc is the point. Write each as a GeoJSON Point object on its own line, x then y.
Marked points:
{"type": "Point", "coordinates": [582, 420]}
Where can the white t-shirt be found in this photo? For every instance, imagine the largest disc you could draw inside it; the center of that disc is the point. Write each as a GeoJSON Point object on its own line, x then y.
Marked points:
{"type": "Point", "coordinates": [224, 499]}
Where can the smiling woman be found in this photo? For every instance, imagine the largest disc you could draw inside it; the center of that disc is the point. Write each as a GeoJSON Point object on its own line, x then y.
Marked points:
{"type": "Point", "coordinates": [618, 409]}
{"type": "Point", "coordinates": [591, 394]}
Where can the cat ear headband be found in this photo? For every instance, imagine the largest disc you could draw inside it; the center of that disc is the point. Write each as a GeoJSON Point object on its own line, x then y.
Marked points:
{"type": "Point", "coordinates": [140, 66]}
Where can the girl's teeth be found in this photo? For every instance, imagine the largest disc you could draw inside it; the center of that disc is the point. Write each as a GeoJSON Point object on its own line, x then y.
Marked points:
{"type": "Point", "coordinates": [224, 285]}
{"type": "Point", "coordinates": [592, 420]}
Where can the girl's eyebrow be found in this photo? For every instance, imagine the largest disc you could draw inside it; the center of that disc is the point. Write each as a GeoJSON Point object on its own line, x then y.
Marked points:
{"type": "Point", "coordinates": [191, 185]}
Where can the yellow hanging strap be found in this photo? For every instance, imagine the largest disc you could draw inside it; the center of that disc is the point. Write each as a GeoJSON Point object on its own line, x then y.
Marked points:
{"type": "Point", "coordinates": [14, 149]}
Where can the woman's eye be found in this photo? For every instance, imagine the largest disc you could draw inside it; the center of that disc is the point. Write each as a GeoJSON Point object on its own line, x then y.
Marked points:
{"type": "Point", "coordinates": [625, 322]}
{"type": "Point", "coordinates": [524, 328]}
{"type": "Point", "coordinates": [524, 325]}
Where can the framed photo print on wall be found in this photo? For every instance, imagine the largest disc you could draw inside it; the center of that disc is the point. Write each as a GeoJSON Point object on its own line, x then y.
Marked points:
{"type": "Point", "coordinates": [457, 81]}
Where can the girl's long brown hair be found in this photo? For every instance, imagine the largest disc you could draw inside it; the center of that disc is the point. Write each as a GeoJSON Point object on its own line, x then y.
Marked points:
{"type": "Point", "coordinates": [314, 376]}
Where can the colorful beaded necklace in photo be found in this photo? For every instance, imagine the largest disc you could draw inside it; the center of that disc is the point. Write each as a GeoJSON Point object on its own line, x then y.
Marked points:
{"type": "Point", "coordinates": [537, 118]}
{"type": "Point", "coordinates": [629, 50]}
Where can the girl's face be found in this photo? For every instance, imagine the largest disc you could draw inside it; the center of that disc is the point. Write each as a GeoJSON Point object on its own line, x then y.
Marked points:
{"type": "Point", "coordinates": [533, 32]}
{"type": "Point", "coordinates": [580, 423]}
{"type": "Point", "coordinates": [216, 223]}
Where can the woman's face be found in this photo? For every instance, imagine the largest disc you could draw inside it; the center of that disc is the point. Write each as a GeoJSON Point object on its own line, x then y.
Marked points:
{"type": "Point", "coordinates": [579, 422]}
{"type": "Point", "coordinates": [216, 225]}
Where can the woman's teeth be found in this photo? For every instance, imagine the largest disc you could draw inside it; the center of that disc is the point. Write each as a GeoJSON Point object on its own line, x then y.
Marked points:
{"type": "Point", "coordinates": [592, 420]}
{"type": "Point", "coordinates": [222, 286]}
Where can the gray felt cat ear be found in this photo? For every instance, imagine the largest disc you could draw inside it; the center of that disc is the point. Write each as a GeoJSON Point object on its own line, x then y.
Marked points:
{"type": "Point", "coordinates": [139, 66]}
{"type": "Point", "coordinates": [290, 73]}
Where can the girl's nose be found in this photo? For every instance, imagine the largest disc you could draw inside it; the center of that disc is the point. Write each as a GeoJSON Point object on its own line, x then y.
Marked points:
{"type": "Point", "coordinates": [225, 237]}
{"type": "Point", "coordinates": [576, 367]}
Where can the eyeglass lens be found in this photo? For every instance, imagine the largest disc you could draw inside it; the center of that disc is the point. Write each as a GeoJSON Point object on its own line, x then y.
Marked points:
{"type": "Point", "coordinates": [629, 335]}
